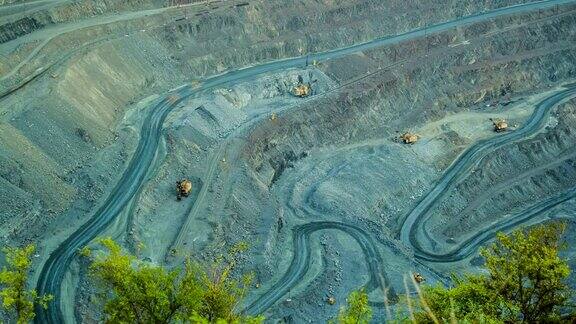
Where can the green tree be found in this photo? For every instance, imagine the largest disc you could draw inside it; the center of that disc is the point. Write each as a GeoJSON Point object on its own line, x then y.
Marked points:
{"type": "Point", "coordinates": [467, 302]}
{"type": "Point", "coordinates": [14, 293]}
{"type": "Point", "coordinates": [138, 292]}
{"type": "Point", "coordinates": [525, 283]}
{"type": "Point", "coordinates": [357, 310]}
{"type": "Point", "coordinates": [527, 273]}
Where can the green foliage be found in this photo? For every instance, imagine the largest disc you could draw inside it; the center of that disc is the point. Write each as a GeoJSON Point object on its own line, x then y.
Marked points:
{"type": "Point", "coordinates": [85, 252]}
{"type": "Point", "coordinates": [239, 247]}
{"type": "Point", "coordinates": [527, 273]}
{"type": "Point", "coordinates": [525, 282]}
{"type": "Point", "coordinates": [142, 293]}
{"type": "Point", "coordinates": [357, 310]}
{"type": "Point", "coordinates": [14, 294]}
{"type": "Point", "coordinates": [468, 301]}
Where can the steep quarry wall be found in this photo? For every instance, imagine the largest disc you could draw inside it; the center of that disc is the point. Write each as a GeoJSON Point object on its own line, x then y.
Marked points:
{"type": "Point", "coordinates": [101, 70]}
{"type": "Point", "coordinates": [125, 71]}
{"type": "Point", "coordinates": [19, 28]}
{"type": "Point", "coordinates": [67, 133]}
{"type": "Point", "coordinates": [210, 38]}
{"type": "Point", "coordinates": [272, 30]}
{"type": "Point", "coordinates": [395, 98]}
{"type": "Point", "coordinates": [429, 85]}
{"type": "Point", "coordinates": [80, 108]}
{"type": "Point", "coordinates": [26, 172]}
{"type": "Point", "coordinates": [512, 178]}
{"type": "Point", "coordinates": [23, 22]}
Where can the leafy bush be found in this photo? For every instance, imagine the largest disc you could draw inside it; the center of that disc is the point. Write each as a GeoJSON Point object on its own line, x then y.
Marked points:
{"type": "Point", "coordinates": [526, 282]}
{"type": "Point", "coordinates": [138, 292]}
{"type": "Point", "coordinates": [357, 311]}
{"type": "Point", "coordinates": [15, 296]}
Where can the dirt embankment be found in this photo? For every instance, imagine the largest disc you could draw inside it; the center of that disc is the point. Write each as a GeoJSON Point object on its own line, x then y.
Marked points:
{"type": "Point", "coordinates": [377, 184]}
{"type": "Point", "coordinates": [102, 70]}
{"type": "Point", "coordinates": [512, 178]}
{"type": "Point", "coordinates": [23, 22]}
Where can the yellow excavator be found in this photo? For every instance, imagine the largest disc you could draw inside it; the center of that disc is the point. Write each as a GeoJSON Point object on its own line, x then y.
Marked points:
{"type": "Point", "coordinates": [418, 278]}
{"type": "Point", "coordinates": [500, 125]}
{"type": "Point", "coordinates": [183, 188]}
{"type": "Point", "coordinates": [331, 300]}
{"type": "Point", "coordinates": [409, 138]}
{"type": "Point", "coordinates": [301, 90]}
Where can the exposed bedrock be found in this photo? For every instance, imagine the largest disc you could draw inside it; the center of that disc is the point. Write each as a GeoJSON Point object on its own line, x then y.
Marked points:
{"type": "Point", "coordinates": [362, 174]}
{"type": "Point", "coordinates": [511, 179]}
{"type": "Point", "coordinates": [18, 28]}
{"type": "Point", "coordinates": [89, 135]}
{"type": "Point", "coordinates": [201, 140]}
{"type": "Point", "coordinates": [100, 72]}
{"type": "Point", "coordinates": [18, 22]}
{"type": "Point", "coordinates": [261, 160]}
{"type": "Point", "coordinates": [403, 98]}
{"type": "Point", "coordinates": [206, 39]}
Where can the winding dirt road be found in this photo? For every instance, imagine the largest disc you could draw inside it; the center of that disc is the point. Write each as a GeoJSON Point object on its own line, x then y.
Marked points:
{"type": "Point", "coordinates": [53, 271]}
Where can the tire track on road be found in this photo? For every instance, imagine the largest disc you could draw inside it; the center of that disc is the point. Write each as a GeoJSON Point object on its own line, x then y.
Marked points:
{"type": "Point", "coordinates": [54, 269]}
{"type": "Point", "coordinates": [411, 226]}
{"type": "Point", "coordinates": [301, 262]}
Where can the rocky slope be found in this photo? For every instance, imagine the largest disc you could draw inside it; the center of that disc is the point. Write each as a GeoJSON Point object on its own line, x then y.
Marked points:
{"type": "Point", "coordinates": [77, 77]}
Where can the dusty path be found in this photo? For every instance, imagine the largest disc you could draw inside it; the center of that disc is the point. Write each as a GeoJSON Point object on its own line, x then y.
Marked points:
{"type": "Point", "coordinates": [301, 234]}
{"type": "Point", "coordinates": [301, 262]}
{"type": "Point", "coordinates": [362, 47]}
{"type": "Point", "coordinates": [46, 35]}
{"type": "Point", "coordinates": [412, 226]}
{"type": "Point", "coordinates": [55, 268]}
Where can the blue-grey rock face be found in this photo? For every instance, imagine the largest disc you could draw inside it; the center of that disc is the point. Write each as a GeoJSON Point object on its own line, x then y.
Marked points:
{"type": "Point", "coordinates": [105, 104]}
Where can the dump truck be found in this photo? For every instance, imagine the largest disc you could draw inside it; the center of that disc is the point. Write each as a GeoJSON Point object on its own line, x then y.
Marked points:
{"type": "Point", "coordinates": [500, 125]}
{"type": "Point", "coordinates": [183, 188]}
{"type": "Point", "coordinates": [409, 138]}
{"type": "Point", "coordinates": [302, 90]}
{"type": "Point", "coordinates": [418, 278]}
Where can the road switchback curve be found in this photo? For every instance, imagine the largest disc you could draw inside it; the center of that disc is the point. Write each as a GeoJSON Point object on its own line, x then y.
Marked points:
{"type": "Point", "coordinates": [54, 269]}
{"type": "Point", "coordinates": [461, 167]}
{"type": "Point", "coordinates": [301, 262]}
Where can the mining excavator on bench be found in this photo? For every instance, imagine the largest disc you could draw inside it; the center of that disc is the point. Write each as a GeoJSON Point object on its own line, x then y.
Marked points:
{"type": "Point", "coordinates": [183, 188]}
{"type": "Point", "coordinates": [500, 125]}
{"type": "Point", "coordinates": [409, 138]}
{"type": "Point", "coordinates": [302, 90]}
{"type": "Point", "coordinates": [418, 278]}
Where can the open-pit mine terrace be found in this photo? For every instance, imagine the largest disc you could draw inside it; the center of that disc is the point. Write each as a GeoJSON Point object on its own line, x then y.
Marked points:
{"type": "Point", "coordinates": [349, 143]}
